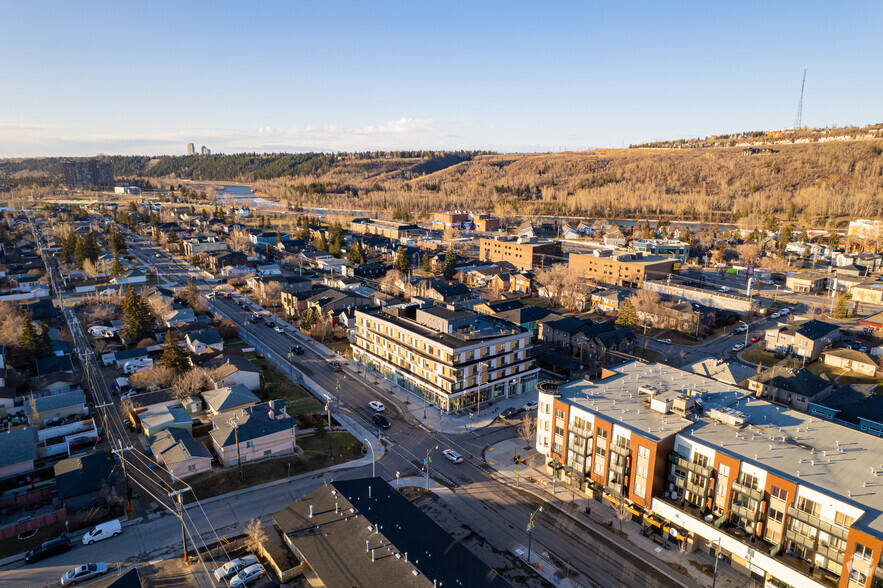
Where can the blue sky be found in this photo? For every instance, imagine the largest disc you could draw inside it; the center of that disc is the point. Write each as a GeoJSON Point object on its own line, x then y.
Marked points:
{"type": "Point", "coordinates": [80, 78]}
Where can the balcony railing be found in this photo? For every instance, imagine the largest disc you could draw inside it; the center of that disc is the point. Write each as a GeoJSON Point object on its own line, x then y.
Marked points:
{"type": "Point", "coordinates": [699, 489]}
{"type": "Point", "coordinates": [831, 553]}
{"type": "Point", "coordinates": [746, 513]}
{"type": "Point", "coordinates": [748, 491]}
{"type": "Point", "coordinates": [802, 540]}
{"type": "Point", "coordinates": [618, 489]}
{"type": "Point", "coordinates": [685, 464]}
{"type": "Point", "coordinates": [814, 521]}
{"type": "Point", "coordinates": [620, 469]}
{"type": "Point", "coordinates": [622, 450]}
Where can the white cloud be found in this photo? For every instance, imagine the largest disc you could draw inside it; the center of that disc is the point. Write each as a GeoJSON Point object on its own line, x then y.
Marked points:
{"type": "Point", "coordinates": [402, 133]}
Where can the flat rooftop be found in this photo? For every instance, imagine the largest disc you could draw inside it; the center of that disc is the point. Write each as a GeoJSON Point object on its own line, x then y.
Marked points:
{"type": "Point", "coordinates": [617, 398]}
{"type": "Point", "coordinates": [483, 328]}
{"type": "Point", "coordinates": [835, 460]}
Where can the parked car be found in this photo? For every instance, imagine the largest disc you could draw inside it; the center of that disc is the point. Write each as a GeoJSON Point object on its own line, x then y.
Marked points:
{"type": "Point", "coordinates": [531, 405]}
{"type": "Point", "coordinates": [81, 442]}
{"type": "Point", "coordinates": [235, 566]}
{"type": "Point", "coordinates": [776, 315]}
{"type": "Point", "coordinates": [247, 576]}
{"type": "Point", "coordinates": [509, 412]}
{"type": "Point", "coordinates": [102, 531]}
{"type": "Point", "coordinates": [738, 347]}
{"type": "Point", "coordinates": [665, 341]}
{"type": "Point", "coordinates": [453, 456]}
{"type": "Point", "coordinates": [376, 406]}
{"type": "Point", "coordinates": [741, 329]}
{"type": "Point", "coordinates": [296, 350]}
{"type": "Point", "coordinates": [83, 573]}
{"type": "Point", "coordinates": [784, 311]}
{"type": "Point", "coordinates": [380, 421]}
{"type": "Point", "coordinates": [723, 289]}
{"type": "Point", "coordinates": [48, 549]}
{"type": "Point", "coordinates": [755, 339]}
{"type": "Point", "coordinates": [134, 365]}
{"type": "Point", "coordinates": [863, 349]}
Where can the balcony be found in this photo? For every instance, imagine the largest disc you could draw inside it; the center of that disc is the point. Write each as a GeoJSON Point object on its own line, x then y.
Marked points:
{"type": "Point", "coordinates": [702, 491]}
{"type": "Point", "coordinates": [746, 513]}
{"type": "Point", "coordinates": [620, 469]}
{"type": "Point", "coordinates": [800, 539]}
{"type": "Point", "coordinates": [622, 450]}
{"type": "Point", "coordinates": [814, 521]}
{"type": "Point", "coordinates": [616, 489]}
{"type": "Point", "coordinates": [685, 464]}
{"type": "Point", "coordinates": [748, 491]}
{"type": "Point", "coordinates": [831, 553]}
{"type": "Point", "coordinates": [580, 432]}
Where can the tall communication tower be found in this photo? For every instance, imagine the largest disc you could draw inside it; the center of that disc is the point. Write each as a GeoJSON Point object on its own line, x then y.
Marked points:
{"type": "Point", "coordinates": [798, 120]}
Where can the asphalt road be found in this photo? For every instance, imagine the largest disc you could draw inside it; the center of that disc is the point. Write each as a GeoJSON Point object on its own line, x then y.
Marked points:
{"type": "Point", "coordinates": [496, 512]}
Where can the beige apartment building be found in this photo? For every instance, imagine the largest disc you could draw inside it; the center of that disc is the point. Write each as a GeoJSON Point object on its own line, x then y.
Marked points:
{"type": "Point", "coordinates": [629, 269]}
{"type": "Point", "coordinates": [446, 356]}
{"type": "Point", "coordinates": [525, 254]}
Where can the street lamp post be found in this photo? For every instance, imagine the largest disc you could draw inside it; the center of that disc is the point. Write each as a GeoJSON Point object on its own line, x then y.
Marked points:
{"type": "Point", "coordinates": [530, 526]}
{"type": "Point", "coordinates": [747, 328]}
{"type": "Point", "coordinates": [328, 410]}
{"type": "Point", "coordinates": [716, 557]}
{"type": "Point", "coordinates": [371, 445]}
{"type": "Point", "coordinates": [426, 463]}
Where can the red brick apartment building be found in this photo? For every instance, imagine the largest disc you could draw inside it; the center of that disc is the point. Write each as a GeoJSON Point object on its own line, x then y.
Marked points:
{"type": "Point", "coordinates": [790, 499]}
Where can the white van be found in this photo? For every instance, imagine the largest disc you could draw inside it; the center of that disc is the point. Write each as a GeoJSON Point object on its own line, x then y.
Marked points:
{"type": "Point", "coordinates": [133, 365]}
{"type": "Point", "coordinates": [102, 531]}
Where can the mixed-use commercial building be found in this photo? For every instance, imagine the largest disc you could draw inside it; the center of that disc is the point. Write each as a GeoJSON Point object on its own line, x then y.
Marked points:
{"type": "Point", "coordinates": [791, 499]}
{"type": "Point", "coordinates": [444, 355]}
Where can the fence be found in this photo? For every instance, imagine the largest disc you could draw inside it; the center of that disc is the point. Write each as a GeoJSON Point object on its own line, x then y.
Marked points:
{"type": "Point", "coordinates": [32, 524]}
{"type": "Point", "coordinates": [29, 499]}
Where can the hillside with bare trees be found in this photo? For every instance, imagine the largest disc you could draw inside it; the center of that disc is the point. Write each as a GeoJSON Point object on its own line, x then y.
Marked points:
{"type": "Point", "coordinates": [824, 182]}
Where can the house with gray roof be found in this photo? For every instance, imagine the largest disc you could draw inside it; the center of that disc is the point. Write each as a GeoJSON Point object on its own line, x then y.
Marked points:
{"type": "Point", "coordinates": [230, 370]}
{"type": "Point", "coordinates": [180, 453]}
{"type": "Point", "coordinates": [264, 430]}
{"type": "Point", "coordinates": [806, 340]}
{"type": "Point", "coordinates": [18, 450]}
{"type": "Point", "coordinates": [229, 398]}
{"type": "Point", "coordinates": [199, 341]}
{"type": "Point", "coordinates": [84, 482]}
{"type": "Point", "coordinates": [46, 408]}
{"type": "Point", "coordinates": [164, 417]}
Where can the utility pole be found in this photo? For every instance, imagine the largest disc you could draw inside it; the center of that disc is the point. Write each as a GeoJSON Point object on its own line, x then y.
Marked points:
{"type": "Point", "coordinates": [235, 424]}
{"type": "Point", "coordinates": [328, 410]}
{"type": "Point", "coordinates": [426, 463]}
{"type": "Point", "coordinates": [121, 452]}
{"type": "Point", "coordinates": [178, 493]}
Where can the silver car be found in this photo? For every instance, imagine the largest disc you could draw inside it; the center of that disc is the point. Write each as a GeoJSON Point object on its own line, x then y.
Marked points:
{"type": "Point", "coordinates": [247, 576]}
{"type": "Point", "coordinates": [234, 566]}
{"type": "Point", "coordinates": [83, 573]}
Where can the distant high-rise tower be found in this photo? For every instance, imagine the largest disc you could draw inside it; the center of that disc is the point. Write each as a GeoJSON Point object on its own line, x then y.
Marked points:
{"type": "Point", "coordinates": [87, 174]}
{"type": "Point", "coordinates": [191, 149]}
{"type": "Point", "coordinates": [206, 151]}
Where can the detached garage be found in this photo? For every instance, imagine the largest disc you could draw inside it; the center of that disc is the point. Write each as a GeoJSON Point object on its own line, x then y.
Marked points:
{"type": "Point", "coordinates": [851, 360]}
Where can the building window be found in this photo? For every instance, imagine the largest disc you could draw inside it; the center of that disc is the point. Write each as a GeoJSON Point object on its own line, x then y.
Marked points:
{"type": "Point", "coordinates": [559, 414]}
{"type": "Point", "coordinates": [779, 493]}
{"type": "Point", "coordinates": [724, 470]}
{"type": "Point", "coordinates": [643, 453]}
{"type": "Point", "coordinates": [858, 578]}
{"type": "Point", "coordinates": [776, 515]}
{"type": "Point", "coordinates": [843, 520]}
{"type": "Point", "coordinates": [863, 552]}
{"type": "Point", "coordinates": [249, 443]}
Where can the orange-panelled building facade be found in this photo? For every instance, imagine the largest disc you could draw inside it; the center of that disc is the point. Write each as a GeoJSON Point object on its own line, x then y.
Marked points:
{"type": "Point", "coordinates": [784, 497]}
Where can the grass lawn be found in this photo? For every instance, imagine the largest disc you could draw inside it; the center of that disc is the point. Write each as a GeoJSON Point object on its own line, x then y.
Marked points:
{"type": "Point", "coordinates": [342, 346]}
{"type": "Point", "coordinates": [345, 447]}
{"type": "Point", "coordinates": [681, 339]}
{"type": "Point", "coordinates": [757, 355]}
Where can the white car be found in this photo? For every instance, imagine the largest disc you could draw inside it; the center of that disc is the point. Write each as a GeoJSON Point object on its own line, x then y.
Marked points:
{"type": "Point", "coordinates": [741, 329]}
{"type": "Point", "coordinates": [532, 405]}
{"type": "Point", "coordinates": [738, 347]}
{"type": "Point", "coordinates": [247, 576]}
{"type": "Point", "coordinates": [278, 329]}
{"type": "Point", "coordinates": [723, 289]}
{"type": "Point", "coordinates": [376, 406]}
{"type": "Point", "coordinates": [134, 365]}
{"type": "Point", "coordinates": [83, 573]}
{"type": "Point", "coordinates": [785, 311]}
{"type": "Point", "coordinates": [232, 567]}
{"type": "Point", "coordinates": [665, 341]}
{"type": "Point", "coordinates": [453, 456]}
{"type": "Point", "coordinates": [863, 349]}
{"type": "Point", "coordinates": [776, 315]}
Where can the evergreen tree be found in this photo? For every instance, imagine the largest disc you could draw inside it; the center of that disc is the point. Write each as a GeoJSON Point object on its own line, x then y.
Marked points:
{"type": "Point", "coordinates": [29, 342]}
{"type": "Point", "coordinates": [304, 234]}
{"type": "Point", "coordinates": [834, 241]}
{"type": "Point", "coordinates": [402, 263]}
{"type": "Point", "coordinates": [840, 309]}
{"type": "Point", "coordinates": [137, 322]}
{"type": "Point", "coordinates": [336, 246]}
{"type": "Point", "coordinates": [627, 316]}
{"type": "Point", "coordinates": [426, 262]}
{"type": "Point", "coordinates": [320, 243]}
{"type": "Point", "coordinates": [191, 294]}
{"type": "Point", "coordinates": [450, 266]}
{"type": "Point", "coordinates": [803, 237]}
{"type": "Point", "coordinates": [357, 254]}
{"type": "Point", "coordinates": [68, 248]}
{"type": "Point", "coordinates": [116, 240]}
{"type": "Point", "coordinates": [117, 267]}
{"type": "Point", "coordinates": [172, 237]}
{"type": "Point", "coordinates": [175, 358]}
{"type": "Point", "coordinates": [45, 341]}
{"type": "Point", "coordinates": [785, 236]}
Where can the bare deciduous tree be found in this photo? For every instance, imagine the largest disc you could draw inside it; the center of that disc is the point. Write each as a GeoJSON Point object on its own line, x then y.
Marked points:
{"type": "Point", "coordinates": [157, 377]}
{"type": "Point", "coordinates": [272, 291]}
{"type": "Point", "coordinates": [389, 282]}
{"type": "Point", "coordinates": [190, 382]}
{"type": "Point", "coordinates": [527, 430]}
{"type": "Point", "coordinates": [12, 320]}
{"type": "Point", "coordinates": [255, 536]}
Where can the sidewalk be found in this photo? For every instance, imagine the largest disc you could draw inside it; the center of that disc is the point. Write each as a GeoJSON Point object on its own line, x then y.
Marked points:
{"type": "Point", "coordinates": [556, 493]}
